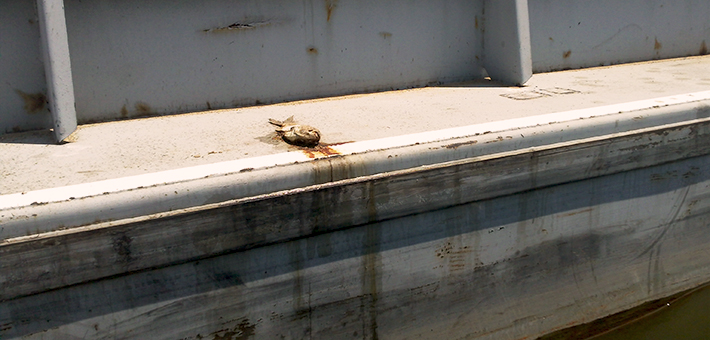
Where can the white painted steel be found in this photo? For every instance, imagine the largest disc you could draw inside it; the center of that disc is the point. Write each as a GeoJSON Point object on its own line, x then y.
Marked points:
{"type": "Point", "coordinates": [44, 210]}
{"type": "Point", "coordinates": [580, 33]}
{"type": "Point", "coordinates": [57, 66]}
{"type": "Point", "coordinates": [23, 86]}
{"type": "Point", "coordinates": [160, 57]}
{"type": "Point", "coordinates": [223, 54]}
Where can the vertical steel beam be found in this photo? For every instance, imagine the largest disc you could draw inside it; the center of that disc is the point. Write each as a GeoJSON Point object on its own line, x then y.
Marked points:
{"type": "Point", "coordinates": [57, 66]}
{"type": "Point", "coordinates": [506, 41]}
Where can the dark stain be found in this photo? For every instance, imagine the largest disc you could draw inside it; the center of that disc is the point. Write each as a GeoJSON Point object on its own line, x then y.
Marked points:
{"type": "Point", "coordinates": [657, 44]}
{"type": "Point", "coordinates": [246, 329]}
{"type": "Point", "coordinates": [498, 139]}
{"type": "Point", "coordinates": [691, 173]}
{"type": "Point", "coordinates": [371, 263]}
{"type": "Point", "coordinates": [226, 279]}
{"type": "Point", "coordinates": [246, 169]}
{"type": "Point", "coordinates": [475, 21]}
{"type": "Point", "coordinates": [385, 35]}
{"type": "Point", "coordinates": [703, 48]}
{"type": "Point", "coordinates": [5, 326]}
{"type": "Point", "coordinates": [663, 176]}
{"type": "Point", "coordinates": [329, 7]}
{"type": "Point", "coordinates": [243, 331]}
{"type": "Point", "coordinates": [567, 54]}
{"type": "Point", "coordinates": [34, 102]}
{"type": "Point", "coordinates": [122, 246]}
{"type": "Point", "coordinates": [124, 112]}
{"type": "Point", "coordinates": [312, 50]}
{"type": "Point", "coordinates": [209, 107]}
{"type": "Point", "coordinates": [143, 109]}
{"type": "Point", "coordinates": [456, 145]}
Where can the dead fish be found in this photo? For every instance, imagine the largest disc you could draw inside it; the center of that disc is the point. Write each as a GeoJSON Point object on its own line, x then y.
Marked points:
{"type": "Point", "coordinates": [296, 134]}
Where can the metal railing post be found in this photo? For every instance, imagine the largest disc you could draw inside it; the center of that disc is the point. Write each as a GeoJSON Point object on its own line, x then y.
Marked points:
{"type": "Point", "coordinates": [57, 66]}
{"type": "Point", "coordinates": [506, 42]}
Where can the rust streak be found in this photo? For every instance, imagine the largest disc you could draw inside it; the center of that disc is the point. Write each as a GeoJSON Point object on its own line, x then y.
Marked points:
{"type": "Point", "coordinates": [319, 151]}
{"type": "Point", "coordinates": [578, 212]}
{"type": "Point", "coordinates": [34, 102]}
{"type": "Point", "coordinates": [329, 7]}
{"type": "Point", "coordinates": [143, 109]}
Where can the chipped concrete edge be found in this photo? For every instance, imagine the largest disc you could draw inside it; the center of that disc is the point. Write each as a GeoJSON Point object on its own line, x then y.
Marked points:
{"type": "Point", "coordinates": [62, 208]}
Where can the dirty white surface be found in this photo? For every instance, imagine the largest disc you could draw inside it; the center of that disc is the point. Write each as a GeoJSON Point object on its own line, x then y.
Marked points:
{"type": "Point", "coordinates": [29, 161]}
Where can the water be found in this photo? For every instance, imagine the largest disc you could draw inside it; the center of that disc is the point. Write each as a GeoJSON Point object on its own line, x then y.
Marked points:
{"type": "Point", "coordinates": [684, 316]}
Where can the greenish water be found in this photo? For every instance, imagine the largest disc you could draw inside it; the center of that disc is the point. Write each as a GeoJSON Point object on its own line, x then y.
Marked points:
{"type": "Point", "coordinates": [684, 316]}
{"type": "Point", "coordinates": [687, 318]}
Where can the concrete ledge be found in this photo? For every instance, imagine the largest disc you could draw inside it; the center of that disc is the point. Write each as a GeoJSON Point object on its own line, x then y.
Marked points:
{"type": "Point", "coordinates": [333, 192]}
{"type": "Point", "coordinates": [45, 210]}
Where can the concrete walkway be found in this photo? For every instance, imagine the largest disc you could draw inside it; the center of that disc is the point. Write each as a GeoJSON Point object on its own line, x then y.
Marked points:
{"type": "Point", "coordinates": [28, 161]}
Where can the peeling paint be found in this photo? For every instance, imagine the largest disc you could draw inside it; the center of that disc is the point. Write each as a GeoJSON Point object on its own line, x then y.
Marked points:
{"type": "Point", "coordinates": [238, 26]}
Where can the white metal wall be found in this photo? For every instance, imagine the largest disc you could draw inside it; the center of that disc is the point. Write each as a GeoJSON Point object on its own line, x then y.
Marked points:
{"type": "Point", "coordinates": [133, 58]}
{"type": "Point", "coordinates": [22, 83]}
{"type": "Point", "coordinates": [580, 33]}
{"type": "Point", "coordinates": [136, 58]}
